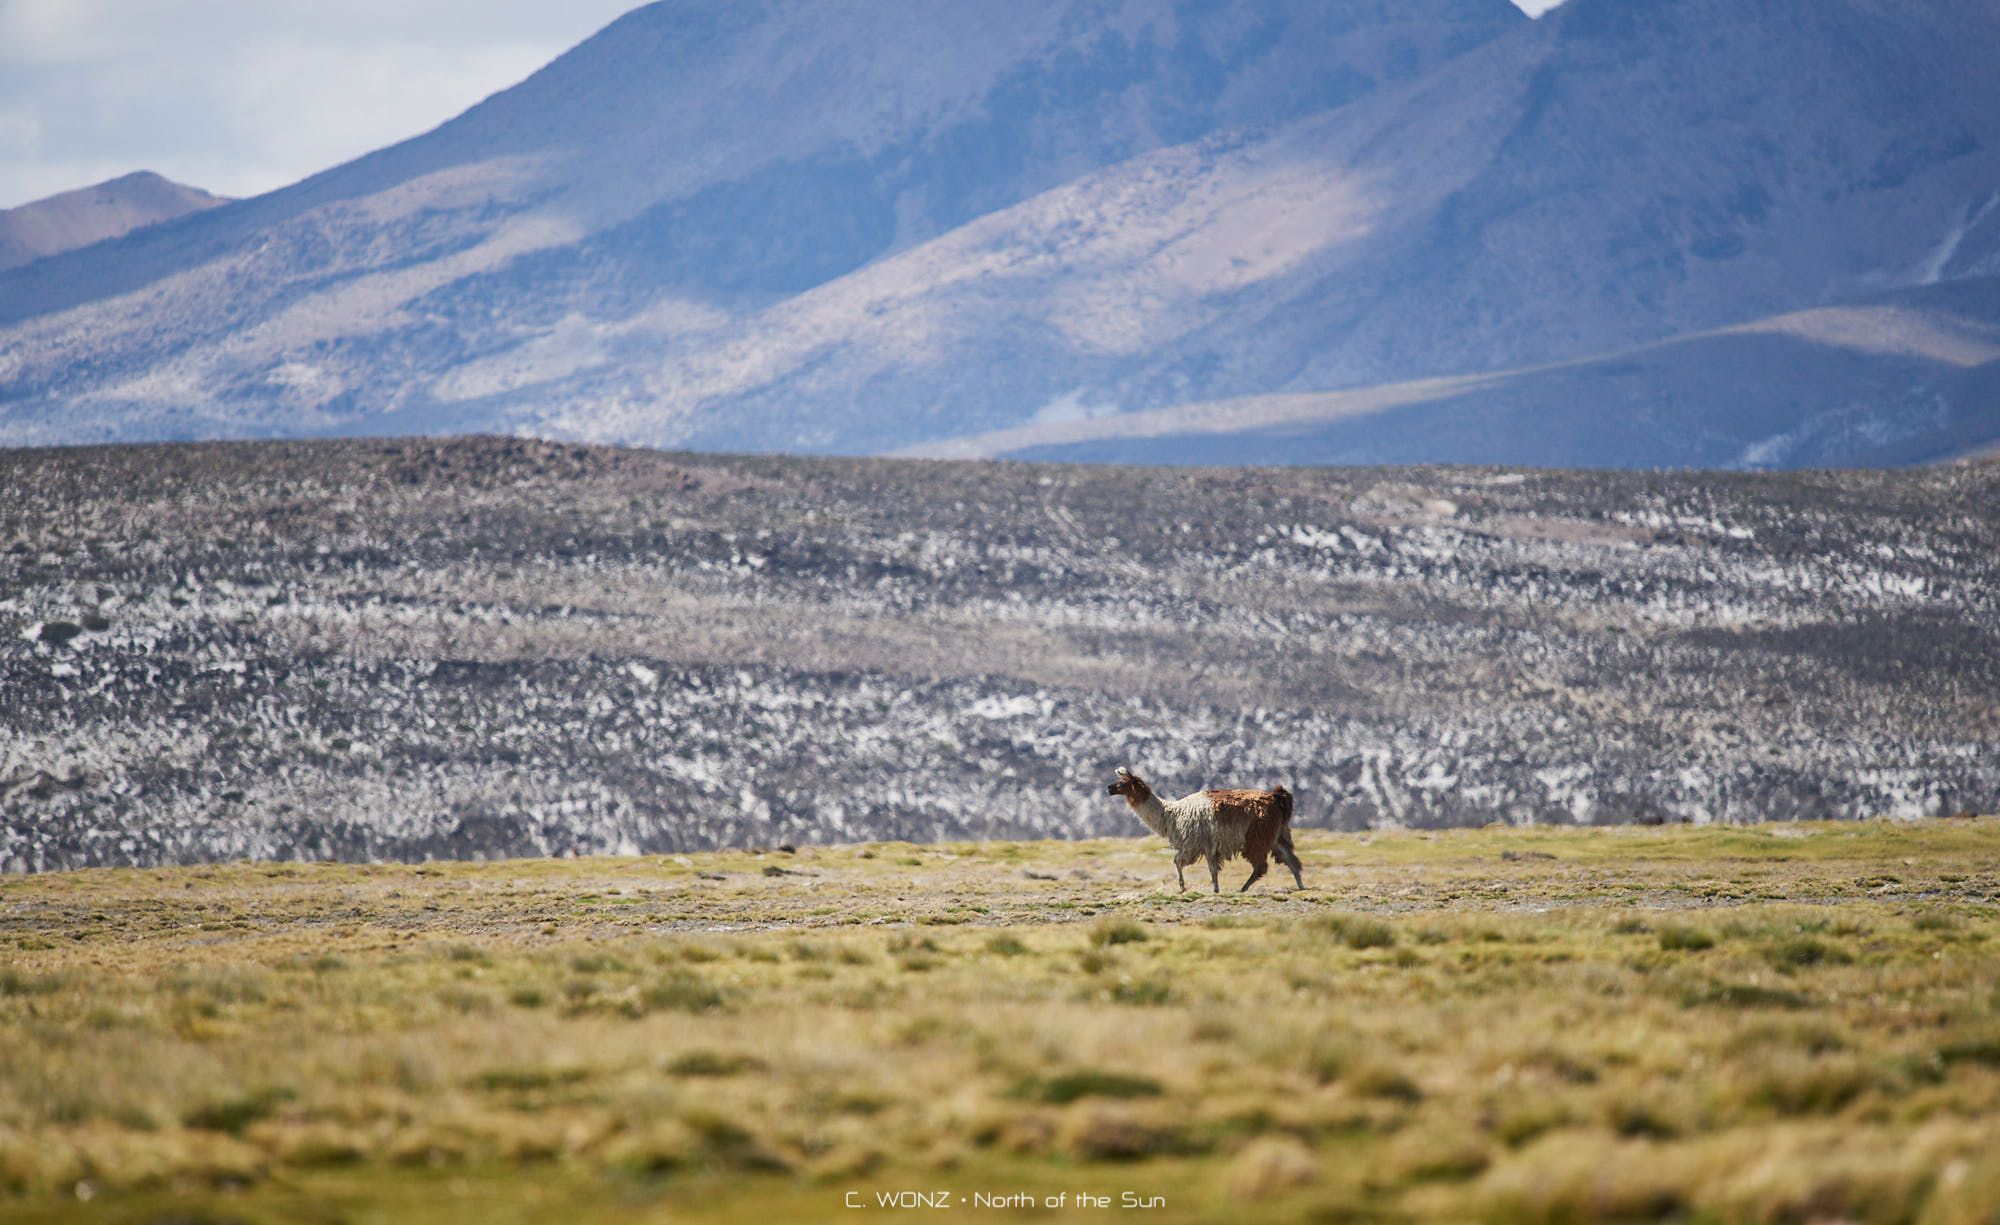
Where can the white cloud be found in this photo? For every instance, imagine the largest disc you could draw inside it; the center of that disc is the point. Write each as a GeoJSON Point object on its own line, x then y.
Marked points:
{"type": "Point", "coordinates": [242, 96]}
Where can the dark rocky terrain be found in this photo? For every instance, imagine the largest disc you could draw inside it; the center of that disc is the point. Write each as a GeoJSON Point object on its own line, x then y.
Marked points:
{"type": "Point", "coordinates": [484, 647]}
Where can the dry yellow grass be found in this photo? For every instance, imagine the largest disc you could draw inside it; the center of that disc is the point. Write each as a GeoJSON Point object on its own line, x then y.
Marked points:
{"type": "Point", "coordinates": [1788, 1023]}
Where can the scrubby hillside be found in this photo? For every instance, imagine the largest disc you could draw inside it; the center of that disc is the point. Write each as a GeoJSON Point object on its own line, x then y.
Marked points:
{"type": "Point", "coordinates": [497, 647]}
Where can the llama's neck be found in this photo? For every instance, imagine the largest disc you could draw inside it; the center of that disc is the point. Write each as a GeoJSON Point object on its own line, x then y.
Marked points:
{"type": "Point", "coordinates": [1151, 811]}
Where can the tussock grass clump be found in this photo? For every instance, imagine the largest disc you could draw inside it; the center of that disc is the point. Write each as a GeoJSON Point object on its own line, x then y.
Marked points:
{"type": "Point", "coordinates": [309, 1146]}
{"type": "Point", "coordinates": [232, 1115]}
{"type": "Point", "coordinates": [1794, 1083]}
{"type": "Point", "coordinates": [1355, 931]}
{"type": "Point", "coordinates": [1095, 961]}
{"type": "Point", "coordinates": [1984, 1049]}
{"type": "Point", "coordinates": [1519, 1123]}
{"type": "Point", "coordinates": [1067, 1087]}
{"type": "Point", "coordinates": [15, 983]}
{"type": "Point", "coordinates": [682, 992]}
{"type": "Point", "coordinates": [1744, 995]}
{"type": "Point", "coordinates": [660, 1147]}
{"type": "Point", "coordinates": [1108, 932]}
{"type": "Point", "coordinates": [1384, 1080]}
{"type": "Point", "coordinates": [1814, 1037]}
{"type": "Point", "coordinates": [1102, 1132]}
{"type": "Point", "coordinates": [1570, 1178]}
{"type": "Point", "coordinates": [1564, 1066]}
{"type": "Point", "coordinates": [1639, 1117]}
{"type": "Point", "coordinates": [713, 1063]}
{"type": "Point", "coordinates": [1442, 1154]}
{"type": "Point", "coordinates": [466, 1000]}
{"type": "Point", "coordinates": [727, 1142]}
{"type": "Point", "coordinates": [1325, 1059]}
{"type": "Point", "coordinates": [1681, 938]}
{"type": "Point", "coordinates": [220, 987]}
{"type": "Point", "coordinates": [1142, 991]}
{"type": "Point", "coordinates": [1271, 1165]}
{"type": "Point", "coordinates": [1801, 952]}
{"type": "Point", "coordinates": [528, 1079]}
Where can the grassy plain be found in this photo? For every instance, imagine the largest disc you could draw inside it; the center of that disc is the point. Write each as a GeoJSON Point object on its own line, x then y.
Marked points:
{"type": "Point", "coordinates": [1785, 1023]}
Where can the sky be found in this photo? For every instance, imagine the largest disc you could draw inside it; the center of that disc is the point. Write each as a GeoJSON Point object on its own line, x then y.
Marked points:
{"type": "Point", "coordinates": [240, 97]}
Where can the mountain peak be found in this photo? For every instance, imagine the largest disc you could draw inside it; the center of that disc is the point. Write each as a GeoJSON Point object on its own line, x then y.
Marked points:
{"type": "Point", "coordinates": [87, 215]}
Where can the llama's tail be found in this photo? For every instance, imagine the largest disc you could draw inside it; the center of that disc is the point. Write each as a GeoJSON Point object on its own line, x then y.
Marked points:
{"type": "Point", "coordinates": [1281, 800]}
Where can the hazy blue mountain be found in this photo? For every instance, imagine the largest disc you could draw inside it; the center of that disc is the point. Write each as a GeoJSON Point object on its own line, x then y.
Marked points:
{"type": "Point", "coordinates": [860, 227]}
{"type": "Point", "coordinates": [79, 218]}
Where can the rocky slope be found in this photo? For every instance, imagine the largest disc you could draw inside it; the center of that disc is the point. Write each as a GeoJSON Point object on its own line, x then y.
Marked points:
{"type": "Point", "coordinates": [488, 647]}
{"type": "Point", "coordinates": [857, 228]}
{"type": "Point", "coordinates": [1907, 377]}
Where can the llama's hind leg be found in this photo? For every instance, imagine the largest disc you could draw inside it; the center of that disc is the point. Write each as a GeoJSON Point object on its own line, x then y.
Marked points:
{"type": "Point", "coordinates": [1289, 857]}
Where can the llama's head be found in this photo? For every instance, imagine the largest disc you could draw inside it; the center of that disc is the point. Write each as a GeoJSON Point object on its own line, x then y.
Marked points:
{"type": "Point", "coordinates": [1129, 785]}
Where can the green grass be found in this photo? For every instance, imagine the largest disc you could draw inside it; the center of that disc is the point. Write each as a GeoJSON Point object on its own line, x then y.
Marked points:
{"type": "Point", "coordinates": [1505, 1025]}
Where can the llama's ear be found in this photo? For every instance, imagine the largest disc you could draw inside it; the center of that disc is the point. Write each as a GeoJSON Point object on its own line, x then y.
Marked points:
{"type": "Point", "coordinates": [1124, 773]}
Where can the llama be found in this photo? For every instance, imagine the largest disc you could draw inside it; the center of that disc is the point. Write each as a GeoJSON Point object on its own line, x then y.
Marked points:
{"type": "Point", "coordinates": [1217, 825]}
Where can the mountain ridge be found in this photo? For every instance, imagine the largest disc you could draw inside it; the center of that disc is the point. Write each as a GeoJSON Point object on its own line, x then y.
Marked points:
{"type": "Point", "coordinates": [1202, 200]}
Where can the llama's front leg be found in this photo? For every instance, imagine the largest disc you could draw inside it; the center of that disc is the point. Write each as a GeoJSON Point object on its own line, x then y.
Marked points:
{"type": "Point", "coordinates": [1257, 869]}
{"type": "Point", "coordinates": [1215, 873]}
{"type": "Point", "coordinates": [1181, 861]}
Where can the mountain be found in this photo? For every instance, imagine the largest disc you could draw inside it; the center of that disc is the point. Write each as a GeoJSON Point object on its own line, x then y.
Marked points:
{"type": "Point", "coordinates": [695, 162]}
{"type": "Point", "coordinates": [856, 227]}
{"type": "Point", "coordinates": [79, 218]}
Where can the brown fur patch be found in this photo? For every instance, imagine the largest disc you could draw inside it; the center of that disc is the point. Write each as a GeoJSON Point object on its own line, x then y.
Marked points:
{"type": "Point", "coordinates": [1270, 812]}
{"type": "Point", "coordinates": [1133, 788]}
